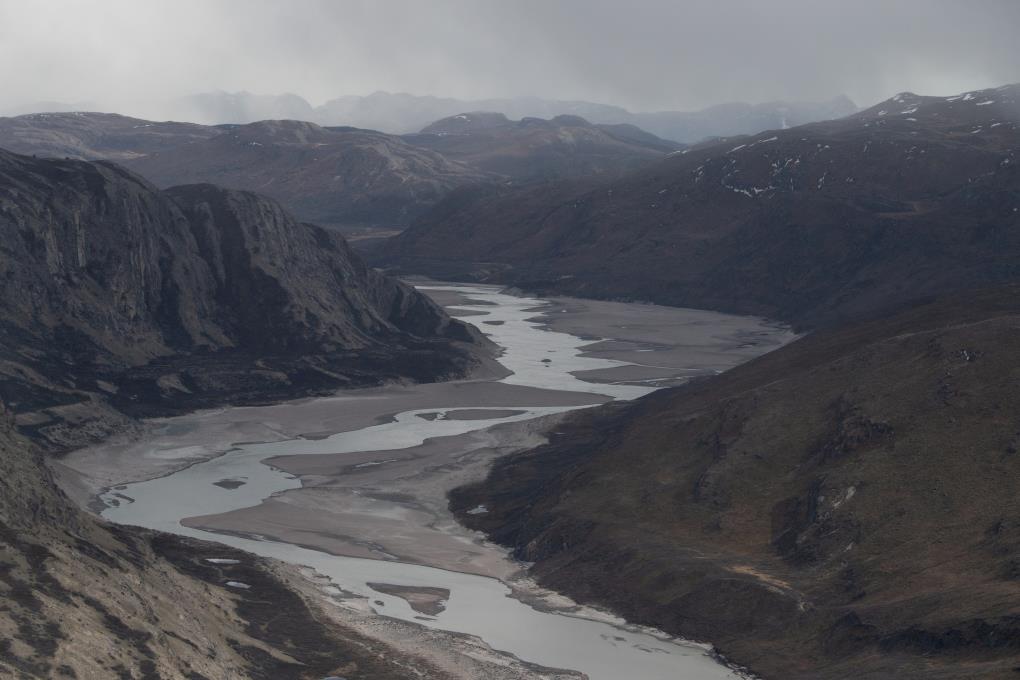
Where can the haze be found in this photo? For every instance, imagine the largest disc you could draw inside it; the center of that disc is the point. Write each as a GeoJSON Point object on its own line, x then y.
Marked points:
{"type": "Point", "coordinates": [137, 57]}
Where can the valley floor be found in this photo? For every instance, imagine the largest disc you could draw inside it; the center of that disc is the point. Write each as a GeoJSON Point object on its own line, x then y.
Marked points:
{"type": "Point", "coordinates": [340, 492]}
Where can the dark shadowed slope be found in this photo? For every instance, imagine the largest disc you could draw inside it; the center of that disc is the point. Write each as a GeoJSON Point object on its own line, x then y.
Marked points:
{"type": "Point", "coordinates": [915, 196]}
{"type": "Point", "coordinates": [846, 506]}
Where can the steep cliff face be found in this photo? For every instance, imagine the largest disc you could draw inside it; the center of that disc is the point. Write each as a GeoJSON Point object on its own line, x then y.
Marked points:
{"type": "Point", "coordinates": [300, 283]}
{"type": "Point", "coordinates": [845, 506]}
{"type": "Point", "coordinates": [118, 294]}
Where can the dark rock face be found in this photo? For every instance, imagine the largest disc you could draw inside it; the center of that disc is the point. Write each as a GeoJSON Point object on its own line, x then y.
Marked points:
{"type": "Point", "coordinates": [916, 196]}
{"type": "Point", "coordinates": [842, 507]}
{"type": "Point", "coordinates": [153, 302]}
{"type": "Point", "coordinates": [535, 149]}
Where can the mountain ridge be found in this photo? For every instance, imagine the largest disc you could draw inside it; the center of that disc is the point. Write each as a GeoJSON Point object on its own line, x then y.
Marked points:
{"type": "Point", "coordinates": [536, 149]}
{"type": "Point", "coordinates": [401, 113]}
{"type": "Point", "coordinates": [809, 225]}
{"type": "Point", "coordinates": [344, 177]}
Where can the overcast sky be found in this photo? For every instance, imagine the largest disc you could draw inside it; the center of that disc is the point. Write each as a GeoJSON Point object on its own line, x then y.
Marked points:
{"type": "Point", "coordinates": [642, 54]}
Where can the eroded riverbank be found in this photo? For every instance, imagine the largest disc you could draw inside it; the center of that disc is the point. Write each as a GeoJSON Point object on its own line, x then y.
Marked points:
{"type": "Point", "coordinates": [355, 485]}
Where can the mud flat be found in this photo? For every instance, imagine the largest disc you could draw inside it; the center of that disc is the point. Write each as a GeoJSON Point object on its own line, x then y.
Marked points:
{"type": "Point", "coordinates": [661, 345]}
{"type": "Point", "coordinates": [389, 504]}
{"type": "Point", "coordinates": [171, 444]}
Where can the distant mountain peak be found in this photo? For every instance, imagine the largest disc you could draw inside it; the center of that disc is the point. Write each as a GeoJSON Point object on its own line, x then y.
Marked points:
{"type": "Point", "coordinates": [569, 120]}
{"type": "Point", "coordinates": [975, 110]}
{"type": "Point", "coordinates": [297, 131]}
{"type": "Point", "coordinates": [472, 121]}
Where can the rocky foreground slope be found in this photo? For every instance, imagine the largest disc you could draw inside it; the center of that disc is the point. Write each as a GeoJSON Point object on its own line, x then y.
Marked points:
{"type": "Point", "coordinates": [915, 196]}
{"type": "Point", "coordinates": [846, 506]}
{"type": "Point", "coordinates": [83, 599]}
{"type": "Point", "coordinates": [121, 300]}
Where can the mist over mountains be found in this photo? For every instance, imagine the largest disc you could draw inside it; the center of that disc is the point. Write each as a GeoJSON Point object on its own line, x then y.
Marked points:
{"type": "Point", "coordinates": [401, 113]}
{"type": "Point", "coordinates": [655, 340]}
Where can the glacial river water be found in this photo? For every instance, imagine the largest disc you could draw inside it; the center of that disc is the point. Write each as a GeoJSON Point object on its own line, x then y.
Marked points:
{"type": "Point", "coordinates": [477, 605]}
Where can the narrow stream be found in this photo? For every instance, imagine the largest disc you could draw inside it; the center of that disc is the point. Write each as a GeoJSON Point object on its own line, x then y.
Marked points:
{"type": "Point", "coordinates": [477, 605]}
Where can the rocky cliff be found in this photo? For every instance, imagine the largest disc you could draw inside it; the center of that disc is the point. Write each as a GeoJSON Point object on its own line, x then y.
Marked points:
{"type": "Point", "coordinates": [152, 302]}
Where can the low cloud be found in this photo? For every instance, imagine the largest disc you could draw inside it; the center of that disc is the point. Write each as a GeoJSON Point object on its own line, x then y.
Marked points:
{"type": "Point", "coordinates": [137, 56]}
